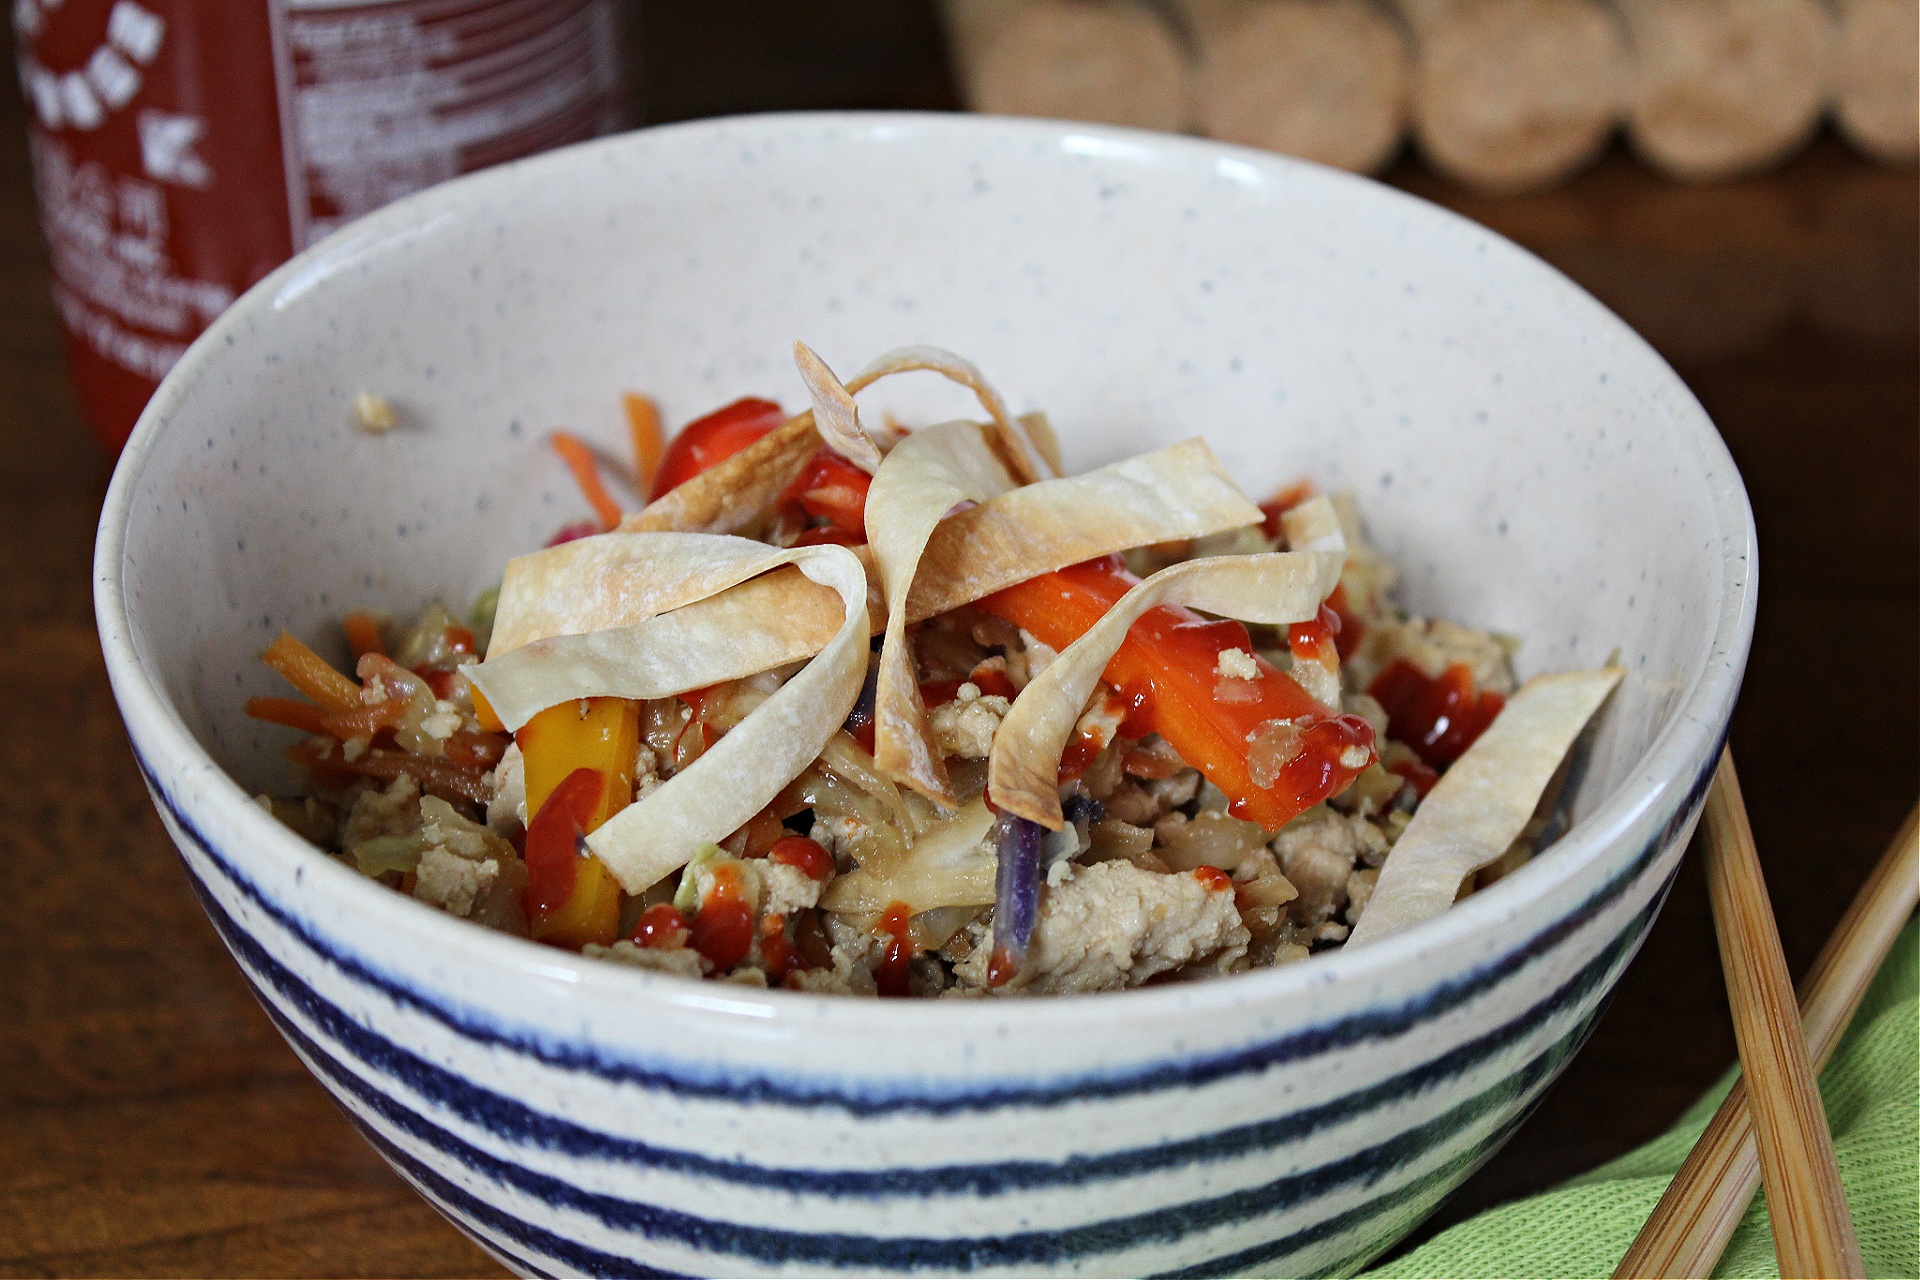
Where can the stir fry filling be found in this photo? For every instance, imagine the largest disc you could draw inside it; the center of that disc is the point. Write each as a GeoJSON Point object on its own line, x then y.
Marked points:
{"type": "Point", "coordinates": [909, 712]}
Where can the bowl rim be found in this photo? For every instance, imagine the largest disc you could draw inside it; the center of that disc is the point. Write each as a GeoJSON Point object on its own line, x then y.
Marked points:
{"type": "Point", "coordinates": [1663, 777]}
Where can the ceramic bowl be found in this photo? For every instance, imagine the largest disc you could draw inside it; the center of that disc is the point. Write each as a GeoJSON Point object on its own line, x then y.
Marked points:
{"type": "Point", "coordinates": [1529, 462]}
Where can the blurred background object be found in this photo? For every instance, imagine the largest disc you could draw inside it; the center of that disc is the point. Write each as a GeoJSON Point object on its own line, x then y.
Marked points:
{"type": "Point", "coordinates": [1722, 87]}
{"type": "Point", "coordinates": [184, 148]}
{"type": "Point", "coordinates": [1109, 63]}
{"type": "Point", "coordinates": [1502, 96]}
{"type": "Point", "coordinates": [1514, 95]}
{"type": "Point", "coordinates": [1878, 77]}
{"type": "Point", "coordinates": [1325, 80]}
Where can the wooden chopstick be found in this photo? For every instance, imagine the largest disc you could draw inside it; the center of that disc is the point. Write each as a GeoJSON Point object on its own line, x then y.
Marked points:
{"type": "Point", "coordinates": [1690, 1227]}
{"type": "Point", "coordinates": [1812, 1228]}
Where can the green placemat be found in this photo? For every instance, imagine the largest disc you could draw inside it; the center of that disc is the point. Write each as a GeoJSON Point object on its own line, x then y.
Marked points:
{"type": "Point", "coordinates": [1871, 1089]}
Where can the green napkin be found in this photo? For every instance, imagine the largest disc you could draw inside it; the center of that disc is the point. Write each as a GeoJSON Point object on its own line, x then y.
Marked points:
{"type": "Point", "coordinates": [1871, 1089]}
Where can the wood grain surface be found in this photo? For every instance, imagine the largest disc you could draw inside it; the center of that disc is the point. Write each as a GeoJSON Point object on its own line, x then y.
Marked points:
{"type": "Point", "coordinates": [153, 1123]}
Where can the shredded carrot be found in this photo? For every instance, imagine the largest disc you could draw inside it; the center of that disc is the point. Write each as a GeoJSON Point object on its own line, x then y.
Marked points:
{"type": "Point", "coordinates": [586, 473]}
{"type": "Point", "coordinates": [363, 633]}
{"type": "Point", "coordinates": [291, 712]}
{"type": "Point", "coordinates": [365, 721]}
{"type": "Point", "coordinates": [308, 672]}
{"type": "Point", "coordinates": [649, 441]}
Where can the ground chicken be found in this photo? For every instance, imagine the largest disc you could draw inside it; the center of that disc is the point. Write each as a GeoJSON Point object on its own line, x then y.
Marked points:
{"type": "Point", "coordinates": [684, 961]}
{"type": "Point", "coordinates": [646, 773]}
{"type": "Point", "coordinates": [453, 883]}
{"type": "Point", "coordinates": [1433, 645]}
{"type": "Point", "coordinates": [467, 870]}
{"type": "Point", "coordinates": [784, 889]}
{"type": "Point", "coordinates": [854, 954]}
{"type": "Point", "coordinates": [965, 726]}
{"type": "Point", "coordinates": [1317, 852]}
{"type": "Point", "coordinates": [1113, 925]}
{"type": "Point", "coordinates": [508, 807]}
{"type": "Point", "coordinates": [442, 722]}
{"type": "Point", "coordinates": [389, 812]}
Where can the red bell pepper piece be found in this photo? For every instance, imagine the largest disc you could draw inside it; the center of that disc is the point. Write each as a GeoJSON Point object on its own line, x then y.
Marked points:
{"type": "Point", "coordinates": [711, 440]}
{"type": "Point", "coordinates": [1167, 671]}
{"type": "Point", "coordinates": [834, 490]}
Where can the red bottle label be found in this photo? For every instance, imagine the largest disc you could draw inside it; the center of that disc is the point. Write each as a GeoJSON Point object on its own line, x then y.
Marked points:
{"type": "Point", "coordinates": [184, 148]}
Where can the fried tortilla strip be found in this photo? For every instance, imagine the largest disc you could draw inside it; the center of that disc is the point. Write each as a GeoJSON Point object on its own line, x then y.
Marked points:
{"type": "Point", "coordinates": [926, 476]}
{"type": "Point", "coordinates": [1039, 429]}
{"type": "Point", "coordinates": [1274, 589]}
{"type": "Point", "coordinates": [1012, 535]}
{"type": "Point", "coordinates": [760, 624]}
{"type": "Point", "coordinates": [1176, 492]}
{"type": "Point", "coordinates": [730, 495]}
{"type": "Point", "coordinates": [1009, 437]}
{"type": "Point", "coordinates": [606, 581]}
{"type": "Point", "coordinates": [1181, 491]}
{"type": "Point", "coordinates": [669, 652]}
{"type": "Point", "coordinates": [835, 413]}
{"type": "Point", "coordinates": [1483, 802]}
{"type": "Point", "coordinates": [950, 865]}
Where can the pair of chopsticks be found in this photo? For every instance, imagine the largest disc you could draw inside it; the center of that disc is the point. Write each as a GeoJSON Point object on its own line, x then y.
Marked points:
{"type": "Point", "coordinates": [1771, 1128]}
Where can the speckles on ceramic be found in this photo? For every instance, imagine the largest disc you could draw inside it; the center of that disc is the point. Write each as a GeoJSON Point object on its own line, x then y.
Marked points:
{"type": "Point", "coordinates": [1529, 463]}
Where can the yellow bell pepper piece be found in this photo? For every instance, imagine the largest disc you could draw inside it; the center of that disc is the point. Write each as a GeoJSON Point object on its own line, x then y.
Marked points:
{"type": "Point", "coordinates": [602, 734]}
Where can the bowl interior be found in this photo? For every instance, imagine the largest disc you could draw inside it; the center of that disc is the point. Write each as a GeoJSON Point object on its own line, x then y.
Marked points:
{"type": "Point", "coordinates": [1527, 461]}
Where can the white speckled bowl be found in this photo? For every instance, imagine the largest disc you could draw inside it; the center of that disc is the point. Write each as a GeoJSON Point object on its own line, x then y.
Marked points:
{"type": "Point", "coordinates": [1530, 463]}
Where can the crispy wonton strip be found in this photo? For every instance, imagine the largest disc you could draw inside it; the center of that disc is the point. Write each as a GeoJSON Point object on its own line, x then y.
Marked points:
{"type": "Point", "coordinates": [740, 632]}
{"type": "Point", "coordinates": [741, 772]}
{"type": "Point", "coordinates": [1274, 589]}
{"type": "Point", "coordinates": [1039, 429]}
{"type": "Point", "coordinates": [835, 413]}
{"type": "Point", "coordinates": [614, 580]}
{"type": "Point", "coordinates": [1177, 492]}
{"type": "Point", "coordinates": [1483, 802]}
{"type": "Point", "coordinates": [730, 495]}
{"type": "Point", "coordinates": [925, 476]}
{"type": "Point", "coordinates": [1009, 437]}
{"type": "Point", "coordinates": [950, 865]}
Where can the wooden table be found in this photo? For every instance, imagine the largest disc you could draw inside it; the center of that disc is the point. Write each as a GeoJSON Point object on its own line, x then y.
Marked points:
{"type": "Point", "coordinates": [152, 1122]}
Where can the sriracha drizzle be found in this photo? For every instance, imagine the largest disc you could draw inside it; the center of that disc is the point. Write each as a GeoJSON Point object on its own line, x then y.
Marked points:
{"type": "Point", "coordinates": [722, 929]}
{"type": "Point", "coordinates": [897, 923]}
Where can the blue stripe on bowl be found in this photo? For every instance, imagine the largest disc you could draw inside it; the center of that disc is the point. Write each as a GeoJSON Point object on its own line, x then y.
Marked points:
{"type": "Point", "coordinates": [763, 1245]}
{"type": "Point", "coordinates": [514, 1122]}
{"type": "Point", "coordinates": [1431, 1185]}
{"type": "Point", "coordinates": [940, 1256]}
{"type": "Point", "coordinates": [868, 1098]}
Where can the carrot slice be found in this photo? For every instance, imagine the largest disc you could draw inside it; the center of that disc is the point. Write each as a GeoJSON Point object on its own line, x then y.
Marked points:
{"type": "Point", "coordinates": [363, 633]}
{"type": "Point", "coordinates": [310, 673]}
{"type": "Point", "coordinates": [649, 440]}
{"type": "Point", "coordinates": [586, 473]}
{"type": "Point", "coordinates": [291, 712]}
